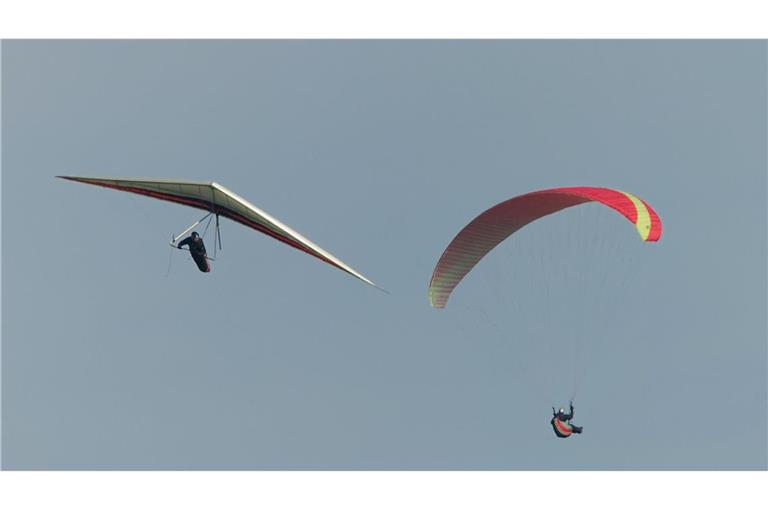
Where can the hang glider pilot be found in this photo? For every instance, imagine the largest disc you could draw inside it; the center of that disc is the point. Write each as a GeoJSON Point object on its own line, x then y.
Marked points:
{"type": "Point", "coordinates": [197, 250]}
{"type": "Point", "coordinates": [561, 423]}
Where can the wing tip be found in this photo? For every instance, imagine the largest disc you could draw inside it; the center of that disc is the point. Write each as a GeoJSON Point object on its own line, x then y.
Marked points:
{"type": "Point", "coordinates": [380, 288]}
{"type": "Point", "coordinates": [368, 281]}
{"type": "Point", "coordinates": [77, 179]}
{"type": "Point", "coordinates": [435, 303]}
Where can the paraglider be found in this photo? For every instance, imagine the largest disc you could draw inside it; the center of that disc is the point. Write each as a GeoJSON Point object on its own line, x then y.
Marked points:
{"type": "Point", "coordinates": [561, 423]}
{"type": "Point", "coordinates": [496, 224]}
{"type": "Point", "coordinates": [217, 200]}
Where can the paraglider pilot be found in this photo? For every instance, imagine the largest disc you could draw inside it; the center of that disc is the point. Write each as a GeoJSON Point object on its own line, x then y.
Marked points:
{"type": "Point", "coordinates": [561, 423]}
{"type": "Point", "coordinates": [197, 250]}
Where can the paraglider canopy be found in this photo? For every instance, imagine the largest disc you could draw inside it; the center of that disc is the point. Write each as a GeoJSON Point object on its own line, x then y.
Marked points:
{"type": "Point", "coordinates": [494, 225]}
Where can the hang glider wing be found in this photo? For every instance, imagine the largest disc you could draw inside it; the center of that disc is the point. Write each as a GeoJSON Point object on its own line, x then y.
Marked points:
{"type": "Point", "coordinates": [211, 196]}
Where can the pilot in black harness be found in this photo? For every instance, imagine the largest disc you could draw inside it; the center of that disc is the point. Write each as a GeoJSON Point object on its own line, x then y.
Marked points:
{"type": "Point", "coordinates": [197, 250]}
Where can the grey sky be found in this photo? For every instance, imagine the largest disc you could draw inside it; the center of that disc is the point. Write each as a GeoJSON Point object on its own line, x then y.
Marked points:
{"type": "Point", "coordinates": [380, 151]}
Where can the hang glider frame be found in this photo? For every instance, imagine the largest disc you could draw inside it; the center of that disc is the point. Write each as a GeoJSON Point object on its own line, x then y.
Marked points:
{"type": "Point", "coordinates": [216, 235]}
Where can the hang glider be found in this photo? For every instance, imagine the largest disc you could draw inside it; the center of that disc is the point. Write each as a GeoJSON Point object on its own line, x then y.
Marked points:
{"type": "Point", "coordinates": [220, 201]}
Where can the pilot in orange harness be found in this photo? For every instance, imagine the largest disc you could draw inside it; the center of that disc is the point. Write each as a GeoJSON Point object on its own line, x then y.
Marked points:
{"type": "Point", "coordinates": [561, 423]}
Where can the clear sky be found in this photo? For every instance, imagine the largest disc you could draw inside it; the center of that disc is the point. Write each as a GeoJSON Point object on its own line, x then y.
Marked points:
{"type": "Point", "coordinates": [380, 151]}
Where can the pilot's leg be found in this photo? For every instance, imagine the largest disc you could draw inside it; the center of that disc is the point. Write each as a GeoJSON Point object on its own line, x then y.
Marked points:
{"type": "Point", "coordinates": [201, 261]}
